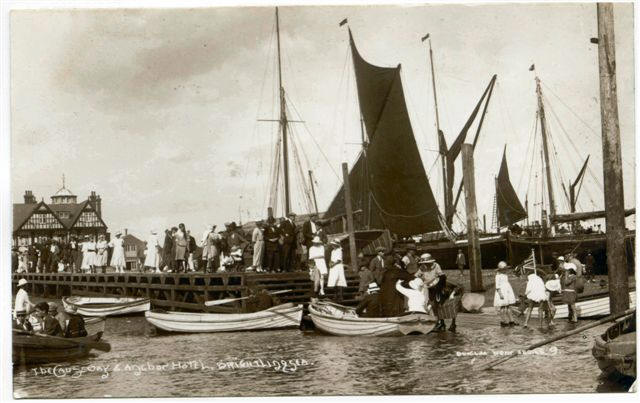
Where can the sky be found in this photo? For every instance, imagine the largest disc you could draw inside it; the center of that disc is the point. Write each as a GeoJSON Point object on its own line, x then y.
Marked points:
{"type": "Point", "coordinates": [157, 110]}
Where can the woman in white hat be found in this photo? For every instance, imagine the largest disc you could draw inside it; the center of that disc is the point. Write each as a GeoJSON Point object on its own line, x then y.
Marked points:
{"type": "Point", "coordinates": [316, 253]}
{"type": "Point", "coordinates": [102, 254]}
{"type": "Point", "coordinates": [117, 257]}
{"type": "Point", "coordinates": [336, 270]}
{"type": "Point", "coordinates": [88, 254]}
{"type": "Point", "coordinates": [504, 296]}
{"type": "Point", "coordinates": [23, 304]}
{"type": "Point", "coordinates": [152, 258]}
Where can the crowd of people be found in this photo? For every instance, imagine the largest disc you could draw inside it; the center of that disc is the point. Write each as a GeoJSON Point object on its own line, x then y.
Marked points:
{"type": "Point", "coordinates": [566, 278]}
{"type": "Point", "coordinates": [89, 254]}
{"type": "Point", "coordinates": [395, 284]}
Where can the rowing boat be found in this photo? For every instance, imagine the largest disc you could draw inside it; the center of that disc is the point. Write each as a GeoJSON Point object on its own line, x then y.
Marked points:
{"type": "Point", "coordinates": [588, 308]}
{"type": "Point", "coordinates": [277, 317]}
{"type": "Point", "coordinates": [31, 348]}
{"type": "Point", "coordinates": [339, 320]}
{"type": "Point", "coordinates": [615, 349]}
{"type": "Point", "coordinates": [105, 306]}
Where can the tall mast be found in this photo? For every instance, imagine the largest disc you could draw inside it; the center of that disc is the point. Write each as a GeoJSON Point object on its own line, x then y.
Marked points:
{"type": "Point", "coordinates": [441, 148]}
{"type": "Point", "coordinates": [545, 148]}
{"type": "Point", "coordinates": [283, 124]}
{"type": "Point", "coordinates": [366, 203]}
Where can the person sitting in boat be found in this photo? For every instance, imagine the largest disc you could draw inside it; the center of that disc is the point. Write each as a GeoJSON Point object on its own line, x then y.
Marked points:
{"type": "Point", "coordinates": [21, 322]}
{"type": "Point", "coordinates": [536, 294]}
{"type": "Point", "coordinates": [415, 296]}
{"type": "Point", "coordinates": [72, 325]}
{"type": "Point", "coordinates": [259, 300]}
{"type": "Point", "coordinates": [568, 281]}
{"type": "Point", "coordinates": [366, 278]}
{"type": "Point", "coordinates": [44, 323]}
{"type": "Point", "coordinates": [370, 306]}
{"type": "Point", "coordinates": [60, 315]}
{"type": "Point", "coordinates": [23, 302]}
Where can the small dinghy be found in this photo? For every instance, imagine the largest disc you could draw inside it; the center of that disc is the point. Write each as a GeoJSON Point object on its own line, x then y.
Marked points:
{"type": "Point", "coordinates": [30, 348]}
{"type": "Point", "coordinates": [587, 308]}
{"type": "Point", "coordinates": [339, 320]}
{"type": "Point", "coordinates": [105, 306]}
{"type": "Point", "coordinates": [277, 317]}
{"type": "Point", "coordinates": [615, 350]}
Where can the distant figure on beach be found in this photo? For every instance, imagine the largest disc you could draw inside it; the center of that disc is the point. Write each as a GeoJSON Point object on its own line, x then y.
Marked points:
{"type": "Point", "coordinates": [461, 262]}
{"type": "Point", "coordinates": [117, 258]}
{"type": "Point", "coordinates": [152, 258]}
{"type": "Point", "coordinates": [589, 266]}
{"type": "Point", "coordinates": [504, 296]}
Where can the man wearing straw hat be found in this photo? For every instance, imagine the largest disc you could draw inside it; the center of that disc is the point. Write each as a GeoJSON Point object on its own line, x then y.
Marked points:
{"type": "Point", "coordinates": [371, 305]}
{"type": "Point", "coordinates": [22, 304]}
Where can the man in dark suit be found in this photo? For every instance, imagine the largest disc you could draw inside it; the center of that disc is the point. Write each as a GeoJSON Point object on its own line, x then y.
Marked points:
{"type": "Point", "coordinates": [271, 245]}
{"type": "Point", "coordinates": [393, 301]}
{"type": "Point", "coordinates": [288, 233]}
{"type": "Point", "coordinates": [310, 229]}
{"type": "Point", "coordinates": [377, 265]}
{"type": "Point", "coordinates": [370, 306]}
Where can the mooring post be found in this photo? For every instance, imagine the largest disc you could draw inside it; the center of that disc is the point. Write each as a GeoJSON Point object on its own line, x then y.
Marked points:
{"type": "Point", "coordinates": [612, 163]}
{"type": "Point", "coordinates": [347, 201]}
{"type": "Point", "coordinates": [475, 259]}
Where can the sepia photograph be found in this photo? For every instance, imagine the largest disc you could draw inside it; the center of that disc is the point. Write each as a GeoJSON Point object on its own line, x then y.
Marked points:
{"type": "Point", "coordinates": [213, 199]}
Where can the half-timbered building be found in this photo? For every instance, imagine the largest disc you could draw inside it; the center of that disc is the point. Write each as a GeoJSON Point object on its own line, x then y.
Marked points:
{"type": "Point", "coordinates": [64, 217]}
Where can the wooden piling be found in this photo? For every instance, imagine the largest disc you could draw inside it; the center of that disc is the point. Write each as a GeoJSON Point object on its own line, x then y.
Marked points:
{"type": "Point", "coordinates": [612, 162]}
{"type": "Point", "coordinates": [475, 259]}
{"type": "Point", "coordinates": [347, 201]}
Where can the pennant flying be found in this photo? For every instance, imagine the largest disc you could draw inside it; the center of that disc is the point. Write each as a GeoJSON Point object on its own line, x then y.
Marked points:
{"type": "Point", "coordinates": [343, 22]}
{"type": "Point", "coordinates": [424, 38]}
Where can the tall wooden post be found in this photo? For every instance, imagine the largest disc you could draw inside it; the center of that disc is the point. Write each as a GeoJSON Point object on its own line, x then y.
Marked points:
{"type": "Point", "coordinates": [347, 201]}
{"type": "Point", "coordinates": [475, 259]}
{"type": "Point", "coordinates": [612, 162]}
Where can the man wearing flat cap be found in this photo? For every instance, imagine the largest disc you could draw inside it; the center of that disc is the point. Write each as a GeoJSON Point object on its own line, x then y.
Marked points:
{"type": "Point", "coordinates": [288, 233]}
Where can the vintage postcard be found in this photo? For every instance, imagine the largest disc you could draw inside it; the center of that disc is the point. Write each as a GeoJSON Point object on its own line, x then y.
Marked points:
{"type": "Point", "coordinates": [219, 200]}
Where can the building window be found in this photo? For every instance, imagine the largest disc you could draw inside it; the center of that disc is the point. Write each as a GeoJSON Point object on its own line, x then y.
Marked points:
{"type": "Point", "coordinates": [64, 214]}
{"type": "Point", "coordinates": [42, 221]}
{"type": "Point", "coordinates": [88, 219]}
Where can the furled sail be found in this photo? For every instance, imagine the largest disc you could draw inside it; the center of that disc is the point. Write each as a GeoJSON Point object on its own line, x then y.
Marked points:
{"type": "Point", "coordinates": [389, 181]}
{"type": "Point", "coordinates": [587, 215]}
{"type": "Point", "coordinates": [508, 205]}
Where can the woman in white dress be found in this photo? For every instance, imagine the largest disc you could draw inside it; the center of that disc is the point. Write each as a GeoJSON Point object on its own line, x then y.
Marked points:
{"type": "Point", "coordinates": [504, 295]}
{"type": "Point", "coordinates": [152, 260]}
{"type": "Point", "coordinates": [117, 257]}
{"type": "Point", "coordinates": [102, 254]}
{"type": "Point", "coordinates": [336, 270]}
{"type": "Point", "coordinates": [88, 254]}
{"type": "Point", "coordinates": [316, 253]}
{"type": "Point", "coordinates": [258, 246]}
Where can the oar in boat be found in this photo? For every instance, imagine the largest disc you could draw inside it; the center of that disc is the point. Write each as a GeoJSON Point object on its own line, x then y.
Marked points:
{"type": "Point", "coordinates": [97, 345]}
{"type": "Point", "coordinates": [558, 337]}
{"type": "Point", "coordinates": [227, 300]}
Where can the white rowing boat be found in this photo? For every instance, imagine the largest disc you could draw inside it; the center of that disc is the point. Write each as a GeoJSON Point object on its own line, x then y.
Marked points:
{"type": "Point", "coordinates": [341, 320]}
{"type": "Point", "coordinates": [277, 317]}
{"type": "Point", "coordinates": [589, 308]}
{"type": "Point", "coordinates": [105, 306]}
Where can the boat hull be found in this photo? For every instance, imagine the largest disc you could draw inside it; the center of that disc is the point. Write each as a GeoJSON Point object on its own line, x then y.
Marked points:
{"type": "Point", "coordinates": [327, 318]}
{"type": "Point", "coordinates": [36, 349]}
{"type": "Point", "coordinates": [278, 317]}
{"type": "Point", "coordinates": [615, 350]}
{"type": "Point", "coordinates": [591, 308]}
{"type": "Point", "coordinates": [105, 306]}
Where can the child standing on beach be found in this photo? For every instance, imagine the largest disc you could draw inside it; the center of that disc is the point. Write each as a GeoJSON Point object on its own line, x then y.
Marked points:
{"type": "Point", "coordinates": [504, 296]}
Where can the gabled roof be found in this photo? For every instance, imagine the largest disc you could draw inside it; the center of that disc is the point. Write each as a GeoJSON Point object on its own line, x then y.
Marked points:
{"type": "Point", "coordinates": [81, 207]}
{"type": "Point", "coordinates": [22, 212]}
{"type": "Point", "coordinates": [74, 210]}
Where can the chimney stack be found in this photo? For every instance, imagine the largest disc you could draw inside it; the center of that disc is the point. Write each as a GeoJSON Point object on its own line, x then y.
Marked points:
{"type": "Point", "coordinates": [96, 201]}
{"type": "Point", "coordinates": [29, 198]}
{"type": "Point", "coordinates": [125, 232]}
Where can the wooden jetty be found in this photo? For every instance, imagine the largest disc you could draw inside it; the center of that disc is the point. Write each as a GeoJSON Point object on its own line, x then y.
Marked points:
{"type": "Point", "coordinates": [177, 291]}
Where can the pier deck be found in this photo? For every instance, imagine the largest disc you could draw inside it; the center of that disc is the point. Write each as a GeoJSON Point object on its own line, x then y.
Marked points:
{"type": "Point", "coordinates": [177, 291]}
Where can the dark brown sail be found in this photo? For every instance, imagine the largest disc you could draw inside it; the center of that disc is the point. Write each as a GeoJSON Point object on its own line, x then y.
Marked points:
{"type": "Point", "coordinates": [391, 178]}
{"type": "Point", "coordinates": [509, 208]}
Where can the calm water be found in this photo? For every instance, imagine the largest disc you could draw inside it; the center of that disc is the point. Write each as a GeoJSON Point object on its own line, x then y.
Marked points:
{"type": "Point", "coordinates": [142, 366]}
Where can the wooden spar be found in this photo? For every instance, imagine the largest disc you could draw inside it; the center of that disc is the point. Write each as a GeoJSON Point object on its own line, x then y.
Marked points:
{"type": "Point", "coordinates": [545, 147]}
{"type": "Point", "coordinates": [313, 192]}
{"type": "Point", "coordinates": [347, 201]}
{"type": "Point", "coordinates": [558, 337]}
{"type": "Point", "coordinates": [443, 157]}
{"type": "Point", "coordinates": [573, 195]}
{"type": "Point", "coordinates": [475, 260]}
{"type": "Point", "coordinates": [283, 124]}
{"type": "Point", "coordinates": [366, 204]}
{"type": "Point", "coordinates": [484, 223]}
{"type": "Point", "coordinates": [612, 162]}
